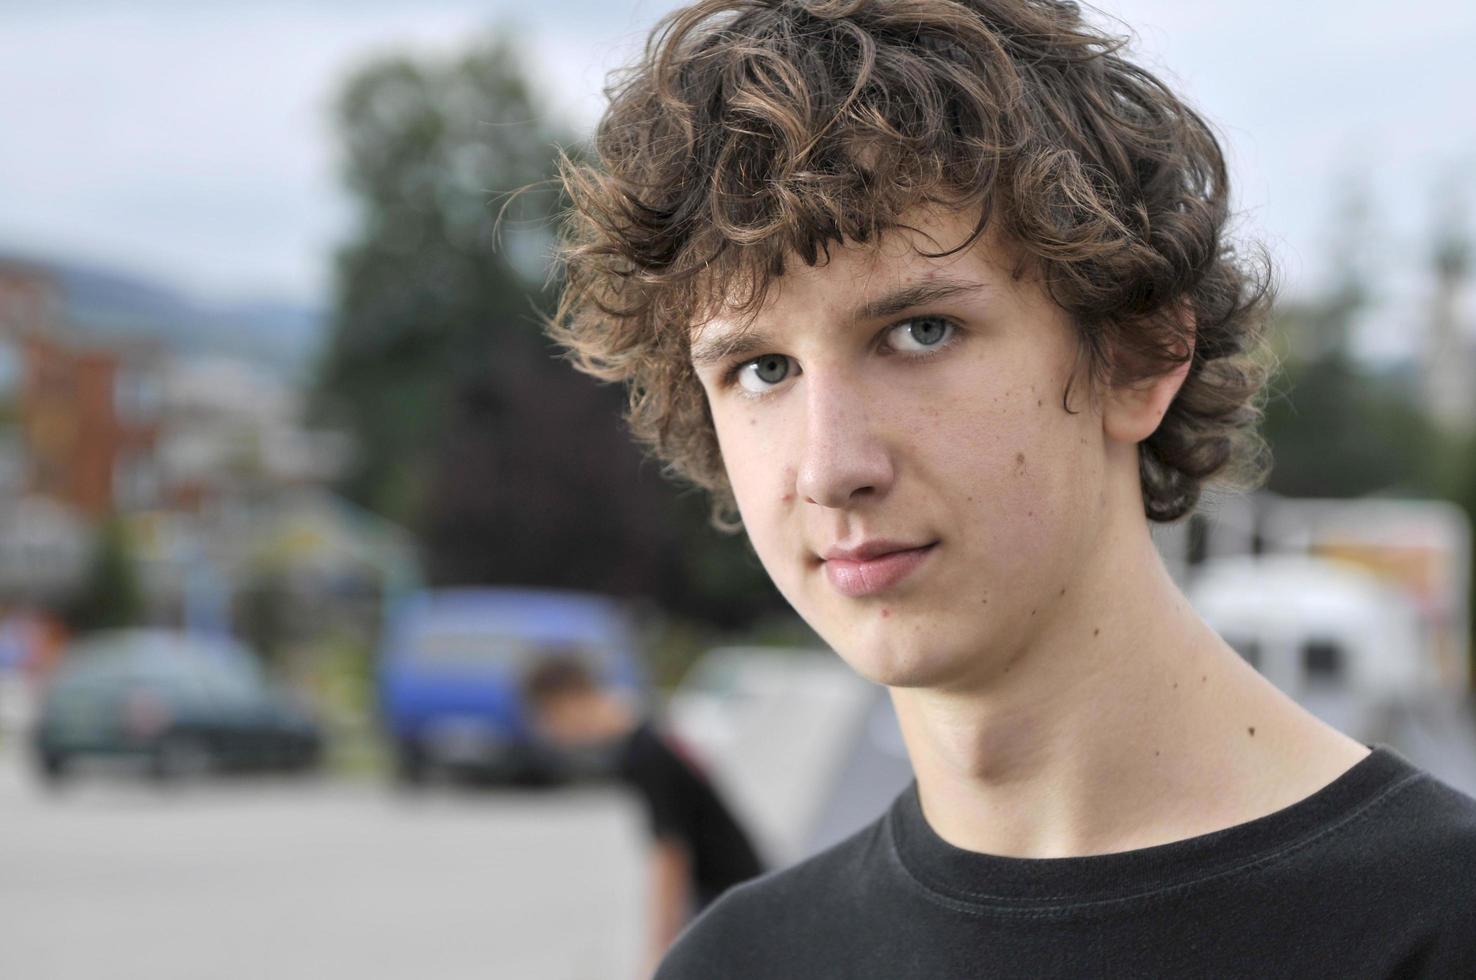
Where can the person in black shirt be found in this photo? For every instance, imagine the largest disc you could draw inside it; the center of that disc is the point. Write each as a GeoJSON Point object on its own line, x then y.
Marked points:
{"type": "Point", "coordinates": [1369, 877]}
{"type": "Point", "coordinates": [699, 849]}
{"type": "Point", "coordinates": [937, 299]}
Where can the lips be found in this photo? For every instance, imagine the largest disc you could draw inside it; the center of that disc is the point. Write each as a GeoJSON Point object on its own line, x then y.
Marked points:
{"type": "Point", "coordinates": [873, 567]}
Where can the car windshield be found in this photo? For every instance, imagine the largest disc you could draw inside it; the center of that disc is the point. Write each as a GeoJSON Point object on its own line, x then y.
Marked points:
{"type": "Point", "coordinates": [177, 664]}
{"type": "Point", "coordinates": [472, 648]}
{"type": "Point", "coordinates": [483, 649]}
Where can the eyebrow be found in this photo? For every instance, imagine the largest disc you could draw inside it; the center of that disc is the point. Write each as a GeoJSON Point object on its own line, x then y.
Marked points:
{"type": "Point", "coordinates": [720, 348]}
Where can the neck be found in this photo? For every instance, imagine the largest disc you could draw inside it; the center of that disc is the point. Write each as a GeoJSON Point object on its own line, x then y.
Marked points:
{"type": "Point", "coordinates": [1122, 723]}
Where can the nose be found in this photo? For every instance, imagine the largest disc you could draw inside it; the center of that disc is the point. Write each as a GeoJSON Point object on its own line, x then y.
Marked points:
{"type": "Point", "coordinates": [843, 458]}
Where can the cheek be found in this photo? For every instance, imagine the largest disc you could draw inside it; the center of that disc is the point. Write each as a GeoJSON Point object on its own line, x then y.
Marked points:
{"type": "Point", "coordinates": [741, 449]}
{"type": "Point", "coordinates": [762, 478]}
{"type": "Point", "coordinates": [1017, 471]}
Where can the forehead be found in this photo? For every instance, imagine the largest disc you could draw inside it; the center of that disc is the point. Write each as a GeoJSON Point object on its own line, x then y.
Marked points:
{"type": "Point", "coordinates": [907, 267]}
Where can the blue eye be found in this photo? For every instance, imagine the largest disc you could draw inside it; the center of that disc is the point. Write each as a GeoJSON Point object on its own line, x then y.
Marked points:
{"type": "Point", "coordinates": [920, 334]}
{"type": "Point", "coordinates": [762, 373]}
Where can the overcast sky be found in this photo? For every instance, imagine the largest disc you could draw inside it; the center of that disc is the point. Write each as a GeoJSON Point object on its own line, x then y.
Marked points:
{"type": "Point", "coordinates": [191, 141]}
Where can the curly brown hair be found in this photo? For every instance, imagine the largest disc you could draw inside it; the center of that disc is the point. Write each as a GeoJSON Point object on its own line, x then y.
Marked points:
{"type": "Point", "coordinates": [753, 132]}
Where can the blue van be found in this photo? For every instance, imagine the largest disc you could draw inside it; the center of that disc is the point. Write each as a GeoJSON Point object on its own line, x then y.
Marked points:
{"type": "Point", "coordinates": [452, 665]}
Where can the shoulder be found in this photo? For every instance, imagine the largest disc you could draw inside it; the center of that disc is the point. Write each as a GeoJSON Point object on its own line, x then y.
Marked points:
{"type": "Point", "coordinates": [644, 738]}
{"type": "Point", "coordinates": [1412, 855]}
{"type": "Point", "coordinates": [1432, 833]}
{"type": "Point", "coordinates": [1437, 875]}
{"type": "Point", "coordinates": [775, 918]}
{"type": "Point", "coordinates": [1423, 819]}
{"type": "Point", "coordinates": [644, 749]}
{"type": "Point", "coordinates": [1409, 830]}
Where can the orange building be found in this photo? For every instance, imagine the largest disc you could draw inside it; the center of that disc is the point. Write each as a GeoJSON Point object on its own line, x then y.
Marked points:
{"type": "Point", "coordinates": [79, 419]}
{"type": "Point", "coordinates": [90, 418]}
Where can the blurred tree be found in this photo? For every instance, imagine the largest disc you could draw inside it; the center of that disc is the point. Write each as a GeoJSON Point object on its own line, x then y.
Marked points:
{"type": "Point", "coordinates": [109, 597]}
{"type": "Point", "coordinates": [1328, 323]}
{"type": "Point", "coordinates": [1335, 430]}
{"type": "Point", "coordinates": [512, 467]}
{"type": "Point", "coordinates": [1335, 427]}
{"type": "Point", "coordinates": [425, 299]}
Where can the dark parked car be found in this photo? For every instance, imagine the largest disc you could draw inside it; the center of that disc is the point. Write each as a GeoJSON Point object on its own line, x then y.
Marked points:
{"type": "Point", "coordinates": [180, 704]}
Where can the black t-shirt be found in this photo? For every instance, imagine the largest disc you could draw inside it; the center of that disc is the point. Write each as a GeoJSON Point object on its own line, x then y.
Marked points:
{"type": "Point", "coordinates": [1374, 875]}
{"type": "Point", "coordinates": [682, 804]}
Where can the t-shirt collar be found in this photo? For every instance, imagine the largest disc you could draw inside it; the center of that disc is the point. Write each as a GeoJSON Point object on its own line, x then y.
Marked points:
{"type": "Point", "coordinates": [989, 879]}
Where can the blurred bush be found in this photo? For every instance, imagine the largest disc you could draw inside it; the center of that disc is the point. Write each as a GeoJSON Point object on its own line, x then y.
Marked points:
{"type": "Point", "coordinates": [510, 467]}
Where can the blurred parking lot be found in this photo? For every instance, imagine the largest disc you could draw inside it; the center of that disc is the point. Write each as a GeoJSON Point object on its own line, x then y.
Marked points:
{"type": "Point", "coordinates": [288, 878]}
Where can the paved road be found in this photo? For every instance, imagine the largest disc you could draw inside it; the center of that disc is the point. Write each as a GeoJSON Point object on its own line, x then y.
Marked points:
{"type": "Point", "coordinates": [312, 880]}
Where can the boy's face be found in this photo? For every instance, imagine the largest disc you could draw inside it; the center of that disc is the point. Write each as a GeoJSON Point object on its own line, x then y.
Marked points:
{"type": "Point", "coordinates": [932, 430]}
{"type": "Point", "coordinates": [571, 720]}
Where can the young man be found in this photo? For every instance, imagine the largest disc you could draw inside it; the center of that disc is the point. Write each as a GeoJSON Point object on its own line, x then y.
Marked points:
{"type": "Point", "coordinates": [937, 295]}
{"type": "Point", "coordinates": [699, 850]}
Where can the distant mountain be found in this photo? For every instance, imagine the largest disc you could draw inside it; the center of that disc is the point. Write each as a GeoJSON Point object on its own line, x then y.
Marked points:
{"type": "Point", "coordinates": [106, 303]}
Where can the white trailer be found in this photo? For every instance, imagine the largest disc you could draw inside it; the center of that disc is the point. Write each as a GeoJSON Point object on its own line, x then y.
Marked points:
{"type": "Point", "coordinates": [1346, 645]}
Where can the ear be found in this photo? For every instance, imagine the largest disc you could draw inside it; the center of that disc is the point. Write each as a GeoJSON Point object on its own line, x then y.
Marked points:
{"type": "Point", "coordinates": [1132, 413]}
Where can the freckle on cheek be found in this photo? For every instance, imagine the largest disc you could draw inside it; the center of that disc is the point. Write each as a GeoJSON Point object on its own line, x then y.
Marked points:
{"type": "Point", "coordinates": [886, 613]}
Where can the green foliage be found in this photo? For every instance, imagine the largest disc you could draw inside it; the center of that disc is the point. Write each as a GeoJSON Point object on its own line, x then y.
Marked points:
{"type": "Point", "coordinates": [511, 467]}
{"type": "Point", "coordinates": [426, 298]}
{"type": "Point", "coordinates": [109, 597]}
{"type": "Point", "coordinates": [1337, 431]}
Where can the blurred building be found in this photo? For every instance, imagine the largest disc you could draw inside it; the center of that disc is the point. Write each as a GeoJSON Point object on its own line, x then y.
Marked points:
{"type": "Point", "coordinates": [43, 542]}
{"type": "Point", "coordinates": [79, 416]}
{"type": "Point", "coordinates": [232, 431]}
{"type": "Point", "coordinates": [235, 464]}
{"type": "Point", "coordinates": [204, 455]}
{"type": "Point", "coordinates": [90, 419]}
{"type": "Point", "coordinates": [28, 308]}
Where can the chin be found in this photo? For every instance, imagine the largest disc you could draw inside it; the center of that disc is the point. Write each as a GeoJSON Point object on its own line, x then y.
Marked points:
{"type": "Point", "coordinates": [893, 661]}
{"type": "Point", "coordinates": [917, 646]}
